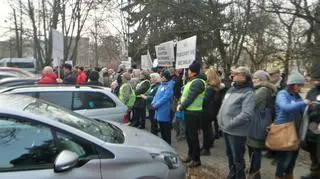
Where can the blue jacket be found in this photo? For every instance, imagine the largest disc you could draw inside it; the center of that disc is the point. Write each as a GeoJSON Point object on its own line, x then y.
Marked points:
{"type": "Point", "coordinates": [162, 102]}
{"type": "Point", "coordinates": [288, 107]}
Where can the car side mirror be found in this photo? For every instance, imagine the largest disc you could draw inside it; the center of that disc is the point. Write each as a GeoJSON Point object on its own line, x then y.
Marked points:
{"type": "Point", "coordinates": [66, 160]}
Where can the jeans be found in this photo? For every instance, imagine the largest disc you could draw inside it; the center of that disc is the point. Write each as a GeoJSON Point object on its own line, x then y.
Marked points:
{"type": "Point", "coordinates": [165, 130]}
{"type": "Point", "coordinates": [255, 159]}
{"type": "Point", "coordinates": [286, 163]}
{"type": "Point", "coordinates": [235, 148]}
{"type": "Point", "coordinates": [192, 121]}
{"type": "Point", "coordinates": [207, 129]}
{"type": "Point", "coordinates": [139, 117]}
{"type": "Point", "coordinates": [154, 123]}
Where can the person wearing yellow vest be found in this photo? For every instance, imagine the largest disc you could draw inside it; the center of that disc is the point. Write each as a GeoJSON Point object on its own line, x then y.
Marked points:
{"type": "Point", "coordinates": [126, 93]}
{"type": "Point", "coordinates": [191, 103]}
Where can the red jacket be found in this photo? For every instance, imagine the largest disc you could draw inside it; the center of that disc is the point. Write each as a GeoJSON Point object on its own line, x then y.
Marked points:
{"type": "Point", "coordinates": [81, 78]}
{"type": "Point", "coordinates": [50, 78]}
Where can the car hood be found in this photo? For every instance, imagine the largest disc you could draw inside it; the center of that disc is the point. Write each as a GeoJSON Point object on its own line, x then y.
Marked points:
{"type": "Point", "coordinates": [143, 139]}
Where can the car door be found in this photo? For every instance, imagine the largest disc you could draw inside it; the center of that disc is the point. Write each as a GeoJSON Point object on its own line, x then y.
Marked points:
{"type": "Point", "coordinates": [28, 149]}
{"type": "Point", "coordinates": [96, 105]}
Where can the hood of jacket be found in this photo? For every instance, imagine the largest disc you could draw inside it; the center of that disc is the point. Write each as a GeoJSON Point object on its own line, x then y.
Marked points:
{"type": "Point", "coordinates": [266, 84]}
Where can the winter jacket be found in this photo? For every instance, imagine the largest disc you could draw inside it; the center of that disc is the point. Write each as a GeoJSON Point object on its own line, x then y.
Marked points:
{"type": "Point", "coordinates": [81, 78]}
{"type": "Point", "coordinates": [178, 83]}
{"type": "Point", "coordinates": [141, 88]}
{"type": "Point", "coordinates": [151, 93]}
{"type": "Point", "coordinates": [196, 88]}
{"type": "Point", "coordinates": [212, 101]}
{"type": "Point", "coordinates": [314, 113]}
{"type": "Point", "coordinates": [69, 78]}
{"type": "Point", "coordinates": [50, 78]}
{"type": "Point", "coordinates": [237, 110]}
{"type": "Point", "coordinates": [162, 101]}
{"type": "Point", "coordinates": [289, 107]}
{"type": "Point", "coordinates": [264, 93]}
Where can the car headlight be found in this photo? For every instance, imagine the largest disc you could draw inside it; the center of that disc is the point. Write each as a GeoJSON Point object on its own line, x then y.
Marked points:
{"type": "Point", "coordinates": [169, 158]}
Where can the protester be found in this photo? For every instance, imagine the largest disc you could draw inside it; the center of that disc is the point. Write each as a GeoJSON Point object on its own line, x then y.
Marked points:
{"type": "Point", "coordinates": [142, 88]}
{"type": "Point", "coordinates": [121, 70]}
{"type": "Point", "coordinates": [312, 138]}
{"type": "Point", "coordinates": [135, 77]}
{"type": "Point", "coordinates": [289, 107]}
{"type": "Point", "coordinates": [81, 76]}
{"type": "Point", "coordinates": [126, 92]}
{"type": "Point", "coordinates": [162, 103]}
{"type": "Point", "coordinates": [48, 76]}
{"type": "Point", "coordinates": [178, 124]}
{"type": "Point", "coordinates": [191, 104]}
{"type": "Point", "coordinates": [155, 83]}
{"type": "Point", "coordinates": [276, 78]}
{"type": "Point", "coordinates": [234, 117]}
{"type": "Point", "coordinates": [94, 79]}
{"type": "Point", "coordinates": [69, 76]}
{"type": "Point", "coordinates": [211, 104]}
{"type": "Point", "coordinates": [264, 92]}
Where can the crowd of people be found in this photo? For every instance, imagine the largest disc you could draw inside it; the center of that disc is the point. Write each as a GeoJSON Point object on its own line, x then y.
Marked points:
{"type": "Point", "coordinates": [200, 102]}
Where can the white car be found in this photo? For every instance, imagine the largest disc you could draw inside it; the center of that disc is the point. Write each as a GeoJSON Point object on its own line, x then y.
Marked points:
{"type": "Point", "coordinates": [41, 140]}
{"type": "Point", "coordinates": [91, 101]}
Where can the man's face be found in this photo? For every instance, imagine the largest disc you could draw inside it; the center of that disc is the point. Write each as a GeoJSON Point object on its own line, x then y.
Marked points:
{"type": "Point", "coordinates": [275, 78]}
{"type": "Point", "coordinates": [191, 74]}
{"type": "Point", "coordinates": [66, 70]}
{"type": "Point", "coordinates": [239, 77]}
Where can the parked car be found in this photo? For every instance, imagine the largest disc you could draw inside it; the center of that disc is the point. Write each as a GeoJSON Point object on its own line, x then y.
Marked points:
{"type": "Point", "coordinates": [14, 72]}
{"type": "Point", "coordinates": [28, 64]}
{"type": "Point", "coordinates": [18, 81]}
{"type": "Point", "coordinates": [90, 101]}
{"type": "Point", "coordinates": [42, 140]}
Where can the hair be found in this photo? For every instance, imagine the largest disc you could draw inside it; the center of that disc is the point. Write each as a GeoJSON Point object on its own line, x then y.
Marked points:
{"type": "Point", "coordinates": [212, 78]}
{"type": "Point", "coordinates": [155, 76]}
{"type": "Point", "coordinates": [81, 68]}
{"type": "Point", "coordinates": [94, 76]}
{"type": "Point", "coordinates": [67, 66]}
{"type": "Point", "coordinates": [47, 69]}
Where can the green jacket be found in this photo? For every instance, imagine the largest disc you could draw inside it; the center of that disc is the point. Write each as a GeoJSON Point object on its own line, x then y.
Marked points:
{"type": "Point", "coordinates": [264, 93]}
{"type": "Point", "coordinates": [151, 93]}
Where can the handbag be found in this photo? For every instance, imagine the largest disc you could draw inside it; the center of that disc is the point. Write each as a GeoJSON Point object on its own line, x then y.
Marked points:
{"type": "Point", "coordinates": [282, 137]}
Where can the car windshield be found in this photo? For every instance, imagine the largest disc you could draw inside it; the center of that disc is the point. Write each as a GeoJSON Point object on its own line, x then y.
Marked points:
{"type": "Point", "coordinates": [100, 129]}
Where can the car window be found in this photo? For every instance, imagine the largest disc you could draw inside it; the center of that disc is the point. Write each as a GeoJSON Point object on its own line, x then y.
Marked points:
{"type": "Point", "coordinates": [100, 129]}
{"type": "Point", "coordinates": [61, 98]}
{"type": "Point", "coordinates": [24, 145]}
{"type": "Point", "coordinates": [91, 100]}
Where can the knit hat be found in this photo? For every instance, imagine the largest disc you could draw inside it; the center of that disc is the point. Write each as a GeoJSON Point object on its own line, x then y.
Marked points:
{"type": "Point", "coordinates": [167, 75]}
{"type": "Point", "coordinates": [316, 74]}
{"type": "Point", "coordinates": [242, 69]}
{"type": "Point", "coordinates": [195, 67]}
{"type": "Point", "coordinates": [126, 76]}
{"type": "Point", "coordinates": [261, 75]}
{"type": "Point", "coordinates": [295, 78]}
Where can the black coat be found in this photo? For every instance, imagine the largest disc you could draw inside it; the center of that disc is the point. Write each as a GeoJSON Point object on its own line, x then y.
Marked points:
{"type": "Point", "coordinates": [212, 101]}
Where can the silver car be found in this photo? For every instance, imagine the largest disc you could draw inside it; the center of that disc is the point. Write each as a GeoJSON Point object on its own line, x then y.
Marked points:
{"type": "Point", "coordinates": [41, 140]}
{"type": "Point", "coordinates": [91, 101]}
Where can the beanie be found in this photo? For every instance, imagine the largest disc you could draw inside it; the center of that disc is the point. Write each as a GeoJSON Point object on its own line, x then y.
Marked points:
{"type": "Point", "coordinates": [261, 75]}
{"type": "Point", "coordinates": [195, 67]}
{"type": "Point", "coordinates": [295, 78]}
{"type": "Point", "coordinates": [167, 75]}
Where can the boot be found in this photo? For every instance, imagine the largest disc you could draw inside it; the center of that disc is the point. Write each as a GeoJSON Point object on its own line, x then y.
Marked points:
{"type": "Point", "coordinates": [289, 176]}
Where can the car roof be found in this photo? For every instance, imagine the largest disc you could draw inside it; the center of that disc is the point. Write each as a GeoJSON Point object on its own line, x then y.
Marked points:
{"type": "Point", "coordinates": [56, 87]}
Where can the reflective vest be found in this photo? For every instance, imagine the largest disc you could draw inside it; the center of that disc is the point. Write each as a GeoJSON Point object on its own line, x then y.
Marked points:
{"type": "Point", "coordinates": [196, 105]}
{"type": "Point", "coordinates": [132, 97]}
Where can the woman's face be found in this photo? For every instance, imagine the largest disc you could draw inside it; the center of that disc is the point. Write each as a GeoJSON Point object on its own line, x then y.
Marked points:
{"type": "Point", "coordinates": [297, 88]}
{"type": "Point", "coordinates": [256, 80]}
{"type": "Point", "coordinates": [239, 77]}
{"type": "Point", "coordinates": [153, 80]}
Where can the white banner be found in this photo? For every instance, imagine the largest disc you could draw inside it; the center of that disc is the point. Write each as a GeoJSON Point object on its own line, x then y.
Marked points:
{"type": "Point", "coordinates": [146, 62]}
{"type": "Point", "coordinates": [57, 47]}
{"type": "Point", "coordinates": [127, 64]}
{"type": "Point", "coordinates": [186, 52]}
{"type": "Point", "coordinates": [165, 53]}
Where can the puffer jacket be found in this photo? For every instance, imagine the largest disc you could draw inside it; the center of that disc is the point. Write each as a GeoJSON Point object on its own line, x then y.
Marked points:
{"type": "Point", "coordinates": [162, 102]}
{"type": "Point", "coordinates": [50, 78]}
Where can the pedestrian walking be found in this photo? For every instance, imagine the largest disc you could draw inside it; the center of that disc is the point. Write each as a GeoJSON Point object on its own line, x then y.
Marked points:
{"type": "Point", "coordinates": [289, 108]}
{"type": "Point", "coordinates": [191, 104]}
{"type": "Point", "coordinates": [162, 103]}
{"type": "Point", "coordinates": [264, 92]}
{"type": "Point", "coordinates": [155, 83]}
{"type": "Point", "coordinates": [236, 111]}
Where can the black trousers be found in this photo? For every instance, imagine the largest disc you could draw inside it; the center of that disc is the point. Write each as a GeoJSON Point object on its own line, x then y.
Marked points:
{"type": "Point", "coordinates": [154, 123]}
{"type": "Point", "coordinates": [165, 130]}
{"type": "Point", "coordinates": [193, 123]}
{"type": "Point", "coordinates": [139, 117]}
{"type": "Point", "coordinates": [206, 126]}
